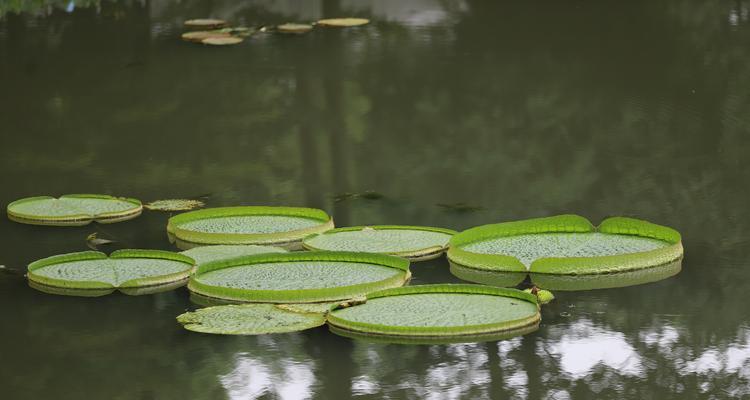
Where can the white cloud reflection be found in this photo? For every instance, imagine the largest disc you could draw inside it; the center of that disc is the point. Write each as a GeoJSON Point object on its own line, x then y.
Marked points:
{"type": "Point", "coordinates": [251, 378]}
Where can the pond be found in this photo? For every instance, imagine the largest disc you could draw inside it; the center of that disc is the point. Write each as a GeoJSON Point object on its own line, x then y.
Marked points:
{"type": "Point", "coordinates": [440, 113]}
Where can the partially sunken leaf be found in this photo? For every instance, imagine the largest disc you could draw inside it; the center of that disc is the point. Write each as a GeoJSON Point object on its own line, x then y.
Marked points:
{"type": "Point", "coordinates": [222, 41]}
{"type": "Point", "coordinates": [444, 311]}
{"type": "Point", "coordinates": [73, 209]}
{"type": "Point", "coordinates": [566, 244]}
{"type": "Point", "coordinates": [206, 254]}
{"type": "Point", "coordinates": [343, 22]}
{"type": "Point", "coordinates": [174, 205]}
{"type": "Point", "coordinates": [205, 23]}
{"type": "Point", "coordinates": [294, 28]}
{"type": "Point", "coordinates": [123, 269]}
{"type": "Point", "coordinates": [279, 226]}
{"type": "Point", "coordinates": [248, 319]}
{"type": "Point", "coordinates": [302, 277]}
{"type": "Point", "coordinates": [413, 242]}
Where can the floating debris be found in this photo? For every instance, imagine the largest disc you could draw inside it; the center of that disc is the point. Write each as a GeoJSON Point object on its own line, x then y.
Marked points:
{"type": "Point", "coordinates": [93, 241]}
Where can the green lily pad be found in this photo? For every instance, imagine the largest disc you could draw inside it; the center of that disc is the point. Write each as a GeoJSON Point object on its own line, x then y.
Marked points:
{"type": "Point", "coordinates": [343, 22]}
{"type": "Point", "coordinates": [133, 291]}
{"type": "Point", "coordinates": [274, 226]}
{"type": "Point", "coordinates": [294, 28]}
{"type": "Point", "coordinates": [222, 41]}
{"type": "Point", "coordinates": [447, 312]}
{"type": "Point", "coordinates": [302, 277]}
{"type": "Point", "coordinates": [413, 242]}
{"type": "Point", "coordinates": [73, 209]}
{"type": "Point", "coordinates": [205, 23]}
{"type": "Point", "coordinates": [206, 254]}
{"type": "Point", "coordinates": [486, 277]}
{"type": "Point", "coordinates": [122, 269]}
{"type": "Point", "coordinates": [199, 36]}
{"type": "Point", "coordinates": [566, 244]}
{"type": "Point", "coordinates": [606, 281]}
{"type": "Point", "coordinates": [174, 205]}
{"type": "Point", "coordinates": [249, 319]}
{"type": "Point", "coordinates": [543, 296]}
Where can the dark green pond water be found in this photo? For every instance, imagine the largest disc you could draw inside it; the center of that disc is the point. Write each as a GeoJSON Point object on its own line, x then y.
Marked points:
{"type": "Point", "coordinates": [517, 109]}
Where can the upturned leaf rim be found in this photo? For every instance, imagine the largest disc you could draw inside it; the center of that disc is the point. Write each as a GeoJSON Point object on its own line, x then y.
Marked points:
{"type": "Point", "coordinates": [190, 237]}
{"type": "Point", "coordinates": [413, 255]}
{"type": "Point", "coordinates": [567, 223]}
{"type": "Point", "coordinates": [440, 331]}
{"type": "Point", "coordinates": [300, 295]}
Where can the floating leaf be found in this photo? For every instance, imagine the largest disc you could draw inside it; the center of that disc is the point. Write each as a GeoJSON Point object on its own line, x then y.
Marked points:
{"type": "Point", "coordinates": [300, 277]}
{"type": "Point", "coordinates": [206, 254]}
{"type": "Point", "coordinates": [413, 242]}
{"type": "Point", "coordinates": [249, 319]}
{"type": "Point", "coordinates": [73, 209]}
{"type": "Point", "coordinates": [294, 28]}
{"type": "Point", "coordinates": [318, 308]}
{"type": "Point", "coordinates": [455, 312]}
{"type": "Point", "coordinates": [174, 205]}
{"type": "Point", "coordinates": [199, 36]}
{"type": "Point", "coordinates": [566, 244]}
{"type": "Point", "coordinates": [343, 22]}
{"type": "Point", "coordinates": [122, 269]}
{"type": "Point", "coordinates": [222, 41]}
{"type": "Point", "coordinates": [279, 226]}
{"type": "Point", "coordinates": [205, 23]}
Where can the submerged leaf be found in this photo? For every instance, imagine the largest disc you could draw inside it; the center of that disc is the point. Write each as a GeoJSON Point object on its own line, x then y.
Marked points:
{"type": "Point", "coordinates": [249, 319]}
{"type": "Point", "coordinates": [343, 22]}
{"type": "Point", "coordinates": [174, 205]}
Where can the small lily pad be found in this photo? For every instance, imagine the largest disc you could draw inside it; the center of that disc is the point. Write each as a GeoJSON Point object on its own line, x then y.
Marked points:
{"type": "Point", "coordinates": [413, 242]}
{"type": "Point", "coordinates": [174, 205]}
{"type": "Point", "coordinates": [73, 209]}
{"type": "Point", "coordinates": [299, 277]}
{"type": "Point", "coordinates": [199, 36]}
{"type": "Point", "coordinates": [543, 296]}
{"type": "Point", "coordinates": [122, 269]}
{"type": "Point", "coordinates": [343, 22]}
{"type": "Point", "coordinates": [455, 312]}
{"type": "Point", "coordinates": [205, 23]}
{"type": "Point", "coordinates": [294, 28]}
{"type": "Point", "coordinates": [566, 244]}
{"type": "Point", "coordinates": [222, 41]}
{"type": "Point", "coordinates": [274, 226]}
{"type": "Point", "coordinates": [206, 254]}
{"type": "Point", "coordinates": [249, 319]}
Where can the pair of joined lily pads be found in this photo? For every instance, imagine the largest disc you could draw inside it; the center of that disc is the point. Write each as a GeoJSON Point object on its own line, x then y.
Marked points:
{"type": "Point", "coordinates": [415, 314]}
{"type": "Point", "coordinates": [82, 209]}
{"type": "Point", "coordinates": [566, 245]}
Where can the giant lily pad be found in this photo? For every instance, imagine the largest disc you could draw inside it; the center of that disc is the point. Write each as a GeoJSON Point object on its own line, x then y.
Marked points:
{"type": "Point", "coordinates": [222, 41]}
{"type": "Point", "coordinates": [606, 281]}
{"type": "Point", "coordinates": [199, 36]}
{"type": "Point", "coordinates": [122, 269]}
{"type": "Point", "coordinates": [413, 242]}
{"type": "Point", "coordinates": [566, 244]}
{"type": "Point", "coordinates": [274, 226]}
{"type": "Point", "coordinates": [299, 277]}
{"type": "Point", "coordinates": [343, 22]}
{"type": "Point", "coordinates": [294, 28]}
{"type": "Point", "coordinates": [249, 319]}
{"type": "Point", "coordinates": [206, 254]}
{"type": "Point", "coordinates": [446, 312]}
{"type": "Point", "coordinates": [73, 209]}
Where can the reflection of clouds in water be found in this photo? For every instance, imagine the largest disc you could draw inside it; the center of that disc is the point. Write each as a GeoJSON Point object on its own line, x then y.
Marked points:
{"type": "Point", "coordinates": [274, 373]}
{"type": "Point", "coordinates": [731, 360]}
{"type": "Point", "coordinates": [583, 346]}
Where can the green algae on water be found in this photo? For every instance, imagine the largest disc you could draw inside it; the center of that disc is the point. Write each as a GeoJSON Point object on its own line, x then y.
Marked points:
{"type": "Point", "coordinates": [73, 209]}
